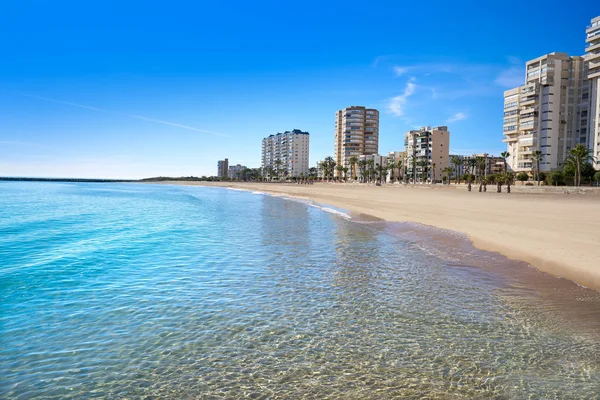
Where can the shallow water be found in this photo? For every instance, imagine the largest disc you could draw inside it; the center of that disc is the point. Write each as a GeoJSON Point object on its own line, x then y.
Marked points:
{"type": "Point", "coordinates": [129, 291]}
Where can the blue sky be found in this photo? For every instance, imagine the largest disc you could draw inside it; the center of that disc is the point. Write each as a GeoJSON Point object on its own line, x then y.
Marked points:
{"type": "Point", "coordinates": [139, 89]}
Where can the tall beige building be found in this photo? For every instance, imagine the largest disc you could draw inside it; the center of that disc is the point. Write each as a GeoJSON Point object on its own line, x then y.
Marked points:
{"type": "Point", "coordinates": [541, 114]}
{"type": "Point", "coordinates": [223, 168]}
{"type": "Point", "coordinates": [356, 134]}
{"type": "Point", "coordinates": [592, 58]}
{"type": "Point", "coordinates": [424, 148]}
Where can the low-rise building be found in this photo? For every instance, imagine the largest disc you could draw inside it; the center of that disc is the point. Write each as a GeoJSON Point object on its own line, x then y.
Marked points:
{"type": "Point", "coordinates": [235, 171]}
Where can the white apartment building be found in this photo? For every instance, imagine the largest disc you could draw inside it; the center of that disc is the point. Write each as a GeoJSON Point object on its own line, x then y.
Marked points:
{"type": "Point", "coordinates": [356, 134]}
{"type": "Point", "coordinates": [541, 114]}
{"type": "Point", "coordinates": [556, 109]}
{"type": "Point", "coordinates": [427, 153]}
{"type": "Point", "coordinates": [287, 151]}
{"type": "Point", "coordinates": [592, 59]}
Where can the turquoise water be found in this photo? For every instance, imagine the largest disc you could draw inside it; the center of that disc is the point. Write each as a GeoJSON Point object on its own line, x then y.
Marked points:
{"type": "Point", "coordinates": [152, 291]}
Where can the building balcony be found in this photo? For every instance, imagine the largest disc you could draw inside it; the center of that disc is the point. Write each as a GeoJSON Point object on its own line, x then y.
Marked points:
{"type": "Point", "coordinates": [593, 74]}
{"type": "Point", "coordinates": [594, 65]}
{"type": "Point", "coordinates": [592, 47]}
{"type": "Point", "coordinates": [593, 37]}
{"type": "Point", "coordinates": [526, 102]}
{"type": "Point", "coordinates": [595, 57]}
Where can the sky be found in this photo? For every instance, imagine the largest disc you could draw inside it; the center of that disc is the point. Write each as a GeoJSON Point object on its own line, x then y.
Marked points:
{"type": "Point", "coordinates": [138, 89]}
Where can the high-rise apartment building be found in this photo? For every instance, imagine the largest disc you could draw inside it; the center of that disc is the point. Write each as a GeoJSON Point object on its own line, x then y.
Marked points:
{"type": "Point", "coordinates": [556, 109]}
{"type": "Point", "coordinates": [427, 153]}
{"type": "Point", "coordinates": [356, 134]}
{"type": "Point", "coordinates": [541, 114]}
{"type": "Point", "coordinates": [286, 153]}
{"type": "Point", "coordinates": [592, 59]}
{"type": "Point", "coordinates": [223, 168]}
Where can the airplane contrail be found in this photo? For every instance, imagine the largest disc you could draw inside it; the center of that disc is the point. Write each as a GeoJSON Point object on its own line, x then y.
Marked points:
{"type": "Point", "coordinates": [157, 121]}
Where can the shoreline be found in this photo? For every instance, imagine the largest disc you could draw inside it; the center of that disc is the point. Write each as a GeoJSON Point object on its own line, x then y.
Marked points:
{"type": "Point", "coordinates": [555, 233]}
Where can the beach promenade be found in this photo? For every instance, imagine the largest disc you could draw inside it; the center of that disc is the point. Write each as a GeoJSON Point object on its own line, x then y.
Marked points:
{"type": "Point", "coordinates": [554, 232]}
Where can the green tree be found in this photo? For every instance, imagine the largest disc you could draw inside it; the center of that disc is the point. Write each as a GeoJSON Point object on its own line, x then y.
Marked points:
{"type": "Point", "coordinates": [400, 171]}
{"type": "Point", "coordinates": [555, 178]}
{"type": "Point", "coordinates": [509, 179]}
{"type": "Point", "coordinates": [505, 155]}
{"type": "Point", "coordinates": [522, 177]}
{"type": "Point", "coordinates": [370, 169]}
{"type": "Point", "coordinates": [340, 170]}
{"type": "Point", "coordinates": [362, 168]}
{"type": "Point", "coordinates": [597, 177]}
{"type": "Point", "coordinates": [353, 160]}
{"type": "Point", "coordinates": [457, 162]}
{"type": "Point", "coordinates": [578, 156]}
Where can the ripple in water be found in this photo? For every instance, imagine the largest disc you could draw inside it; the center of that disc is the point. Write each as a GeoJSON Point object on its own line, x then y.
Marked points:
{"type": "Point", "coordinates": [131, 291]}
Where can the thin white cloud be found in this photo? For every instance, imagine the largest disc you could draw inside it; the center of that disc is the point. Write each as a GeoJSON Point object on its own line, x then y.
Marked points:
{"type": "Point", "coordinates": [157, 121]}
{"type": "Point", "coordinates": [511, 77]}
{"type": "Point", "coordinates": [399, 71]}
{"type": "Point", "coordinates": [457, 117]}
{"type": "Point", "coordinates": [397, 104]}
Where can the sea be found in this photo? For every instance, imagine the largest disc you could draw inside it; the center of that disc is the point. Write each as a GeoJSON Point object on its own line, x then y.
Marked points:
{"type": "Point", "coordinates": [143, 291]}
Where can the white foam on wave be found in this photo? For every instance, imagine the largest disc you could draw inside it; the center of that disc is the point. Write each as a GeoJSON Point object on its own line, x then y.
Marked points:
{"type": "Point", "coordinates": [331, 211]}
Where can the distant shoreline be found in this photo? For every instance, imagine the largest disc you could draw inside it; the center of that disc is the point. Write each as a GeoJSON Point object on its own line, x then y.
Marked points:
{"type": "Point", "coordinates": [19, 179]}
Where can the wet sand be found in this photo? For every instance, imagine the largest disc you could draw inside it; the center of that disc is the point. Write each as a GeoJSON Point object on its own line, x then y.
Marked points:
{"type": "Point", "coordinates": [554, 232]}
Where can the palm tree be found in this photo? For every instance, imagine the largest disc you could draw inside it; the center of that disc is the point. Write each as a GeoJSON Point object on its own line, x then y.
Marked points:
{"type": "Point", "coordinates": [578, 156]}
{"type": "Point", "coordinates": [391, 167]}
{"type": "Point", "coordinates": [400, 172]}
{"type": "Point", "coordinates": [381, 173]}
{"type": "Point", "coordinates": [509, 178]}
{"type": "Point", "coordinates": [448, 172]}
{"type": "Point", "coordinates": [371, 169]}
{"type": "Point", "coordinates": [353, 160]}
{"type": "Point", "coordinates": [329, 167]}
{"type": "Point", "coordinates": [481, 164]}
{"type": "Point", "coordinates": [457, 161]}
{"type": "Point", "coordinates": [362, 165]}
{"type": "Point", "coordinates": [505, 155]}
{"type": "Point", "coordinates": [340, 170]}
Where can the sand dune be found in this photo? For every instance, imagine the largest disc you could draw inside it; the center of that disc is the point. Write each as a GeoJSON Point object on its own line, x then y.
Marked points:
{"type": "Point", "coordinates": [556, 233]}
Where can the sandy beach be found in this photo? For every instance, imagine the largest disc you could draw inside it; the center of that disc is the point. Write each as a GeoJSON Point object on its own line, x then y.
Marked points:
{"type": "Point", "coordinates": [554, 232]}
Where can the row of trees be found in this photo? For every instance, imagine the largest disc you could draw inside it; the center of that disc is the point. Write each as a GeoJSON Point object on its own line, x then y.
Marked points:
{"type": "Point", "coordinates": [360, 170]}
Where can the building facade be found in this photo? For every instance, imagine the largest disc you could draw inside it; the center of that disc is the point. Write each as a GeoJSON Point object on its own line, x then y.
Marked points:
{"type": "Point", "coordinates": [235, 171]}
{"type": "Point", "coordinates": [592, 59]}
{"type": "Point", "coordinates": [556, 109]}
{"type": "Point", "coordinates": [427, 153]}
{"type": "Point", "coordinates": [356, 134]}
{"type": "Point", "coordinates": [541, 114]}
{"type": "Point", "coordinates": [287, 153]}
{"type": "Point", "coordinates": [393, 158]}
{"type": "Point", "coordinates": [223, 168]}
